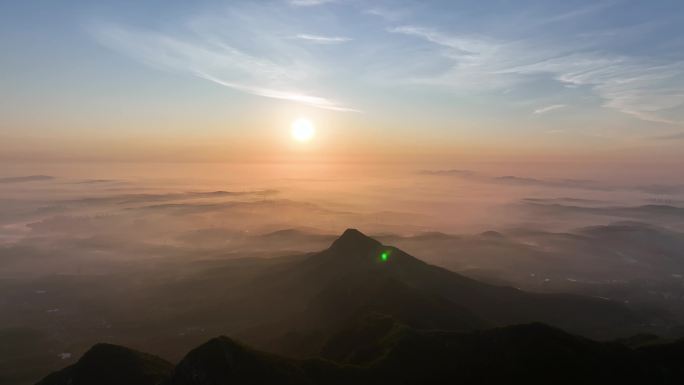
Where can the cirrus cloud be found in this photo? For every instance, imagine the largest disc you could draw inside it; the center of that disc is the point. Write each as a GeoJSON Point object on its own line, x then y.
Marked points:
{"type": "Point", "coordinates": [276, 71]}
{"type": "Point", "coordinates": [547, 109]}
{"type": "Point", "coordinates": [643, 87]}
{"type": "Point", "coordinates": [319, 39]}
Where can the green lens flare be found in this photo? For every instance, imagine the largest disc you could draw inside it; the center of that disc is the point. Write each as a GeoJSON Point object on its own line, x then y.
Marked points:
{"type": "Point", "coordinates": [384, 256]}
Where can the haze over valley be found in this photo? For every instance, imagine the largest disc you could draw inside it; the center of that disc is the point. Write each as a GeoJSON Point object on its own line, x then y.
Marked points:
{"type": "Point", "coordinates": [162, 264]}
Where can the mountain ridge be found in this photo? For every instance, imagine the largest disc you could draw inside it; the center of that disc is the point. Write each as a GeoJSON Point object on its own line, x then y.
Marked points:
{"type": "Point", "coordinates": [520, 354]}
{"type": "Point", "coordinates": [295, 306]}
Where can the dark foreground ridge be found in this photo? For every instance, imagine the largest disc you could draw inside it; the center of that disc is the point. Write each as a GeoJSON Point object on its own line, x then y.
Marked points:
{"type": "Point", "coordinates": [390, 353]}
{"type": "Point", "coordinates": [372, 320]}
{"type": "Point", "coordinates": [107, 364]}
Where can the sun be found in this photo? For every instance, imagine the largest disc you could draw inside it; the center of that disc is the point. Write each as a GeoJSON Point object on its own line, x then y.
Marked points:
{"type": "Point", "coordinates": [303, 130]}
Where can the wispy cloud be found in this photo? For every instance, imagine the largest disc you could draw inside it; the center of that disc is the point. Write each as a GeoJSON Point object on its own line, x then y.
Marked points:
{"type": "Point", "coordinates": [389, 14]}
{"type": "Point", "coordinates": [308, 3]}
{"type": "Point", "coordinates": [639, 86]}
{"type": "Point", "coordinates": [456, 44]}
{"type": "Point", "coordinates": [547, 109]}
{"type": "Point", "coordinates": [314, 101]}
{"type": "Point", "coordinates": [319, 39]}
{"type": "Point", "coordinates": [258, 50]}
{"type": "Point", "coordinates": [273, 69]}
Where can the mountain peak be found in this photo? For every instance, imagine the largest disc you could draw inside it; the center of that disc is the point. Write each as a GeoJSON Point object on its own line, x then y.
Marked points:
{"type": "Point", "coordinates": [223, 360]}
{"type": "Point", "coordinates": [354, 240]}
{"type": "Point", "coordinates": [108, 364]}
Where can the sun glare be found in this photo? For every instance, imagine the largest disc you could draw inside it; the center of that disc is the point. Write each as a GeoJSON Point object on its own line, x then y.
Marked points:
{"type": "Point", "coordinates": [303, 130]}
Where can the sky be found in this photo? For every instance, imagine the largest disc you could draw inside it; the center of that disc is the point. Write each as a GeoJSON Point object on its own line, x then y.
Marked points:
{"type": "Point", "coordinates": [383, 81]}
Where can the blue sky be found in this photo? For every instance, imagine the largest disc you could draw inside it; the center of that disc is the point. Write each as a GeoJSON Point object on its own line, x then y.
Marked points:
{"type": "Point", "coordinates": [571, 71]}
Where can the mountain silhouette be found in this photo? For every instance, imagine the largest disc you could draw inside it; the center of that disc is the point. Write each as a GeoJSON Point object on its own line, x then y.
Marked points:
{"type": "Point", "coordinates": [353, 241]}
{"type": "Point", "coordinates": [291, 305]}
{"type": "Point", "coordinates": [225, 361]}
{"type": "Point", "coordinates": [352, 278]}
{"type": "Point", "coordinates": [521, 354]}
{"type": "Point", "coordinates": [106, 364]}
{"type": "Point", "coordinates": [367, 309]}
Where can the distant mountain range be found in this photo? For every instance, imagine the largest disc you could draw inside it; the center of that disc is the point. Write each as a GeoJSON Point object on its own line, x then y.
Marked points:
{"type": "Point", "coordinates": [372, 313]}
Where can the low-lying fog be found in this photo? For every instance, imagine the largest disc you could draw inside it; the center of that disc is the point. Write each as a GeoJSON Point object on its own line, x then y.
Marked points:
{"type": "Point", "coordinates": [68, 230]}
